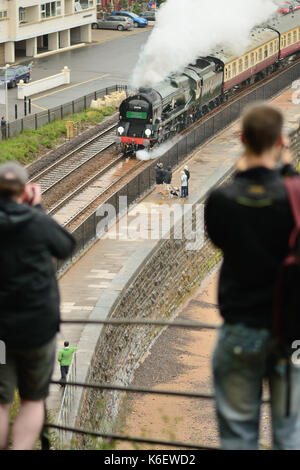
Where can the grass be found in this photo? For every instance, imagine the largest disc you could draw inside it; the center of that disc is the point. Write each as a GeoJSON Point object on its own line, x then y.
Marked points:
{"type": "Point", "coordinates": [27, 146]}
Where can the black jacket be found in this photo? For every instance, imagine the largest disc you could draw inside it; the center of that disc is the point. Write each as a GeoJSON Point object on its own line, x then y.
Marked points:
{"type": "Point", "coordinates": [159, 175]}
{"type": "Point", "coordinates": [29, 297]}
{"type": "Point", "coordinates": [187, 174]}
{"type": "Point", "coordinates": [251, 221]}
{"type": "Point", "coordinates": [168, 176]}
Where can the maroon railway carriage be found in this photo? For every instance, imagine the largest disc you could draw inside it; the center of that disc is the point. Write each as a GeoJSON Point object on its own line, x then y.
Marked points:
{"type": "Point", "coordinates": [268, 45]}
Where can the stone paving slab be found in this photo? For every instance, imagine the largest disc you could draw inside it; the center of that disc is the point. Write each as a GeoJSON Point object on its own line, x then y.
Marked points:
{"type": "Point", "coordinates": [92, 286]}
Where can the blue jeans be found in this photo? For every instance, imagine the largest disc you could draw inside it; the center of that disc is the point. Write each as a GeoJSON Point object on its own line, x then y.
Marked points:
{"type": "Point", "coordinates": [184, 191]}
{"type": "Point", "coordinates": [243, 357]}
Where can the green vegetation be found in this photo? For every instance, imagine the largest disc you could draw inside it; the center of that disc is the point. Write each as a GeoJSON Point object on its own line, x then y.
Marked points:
{"type": "Point", "coordinates": [27, 146]}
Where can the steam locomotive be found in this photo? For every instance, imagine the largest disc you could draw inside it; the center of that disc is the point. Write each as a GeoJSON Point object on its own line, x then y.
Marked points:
{"type": "Point", "coordinates": [154, 115]}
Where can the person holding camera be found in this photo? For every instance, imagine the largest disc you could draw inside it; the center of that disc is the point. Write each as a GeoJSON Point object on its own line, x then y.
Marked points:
{"type": "Point", "coordinates": [251, 221]}
{"type": "Point", "coordinates": [29, 303]}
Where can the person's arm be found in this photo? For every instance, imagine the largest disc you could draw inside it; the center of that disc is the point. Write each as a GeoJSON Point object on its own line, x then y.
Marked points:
{"type": "Point", "coordinates": [214, 219]}
{"type": "Point", "coordinates": [60, 242]}
{"type": "Point", "coordinates": [74, 349]}
{"type": "Point", "coordinates": [59, 356]}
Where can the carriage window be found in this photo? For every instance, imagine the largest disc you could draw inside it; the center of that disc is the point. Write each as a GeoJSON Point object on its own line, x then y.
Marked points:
{"type": "Point", "coordinates": [229, 71]}
{"type": "Point", "coordinates": [295, 36]}
{"type": "Point", "coordinates": [266, 52]}
{"type": "Point", "coordinates": [252, 59]}
{"type": "Point", "coordinates": [260, 55]}
{"type": "Point", "coordinates": [240, 65]}
{"type": "Point", "coordinates": [246, 62]}
{"type": "Point", "coordinates": [289, 39]}
{"type": "Point", "coordinates": [226, 73]}
{"type": "Point", "coordinates": [234, 69]}
{"type": "Point", "coordinates": [283, 41]}
{"type": "Point", "coordinates": [271, 49]}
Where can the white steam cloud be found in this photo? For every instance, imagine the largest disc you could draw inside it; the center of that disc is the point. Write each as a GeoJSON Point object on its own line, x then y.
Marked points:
{"type": "Point", "coordinates": [156, 151]}
{"type": "Point", "coordinates": [187, 29]}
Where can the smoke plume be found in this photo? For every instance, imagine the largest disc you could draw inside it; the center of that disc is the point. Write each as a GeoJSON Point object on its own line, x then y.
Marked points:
{"type": "Point", "coordinates": [187, 29]}
{"type": "Point", "coordinates": [156, 151]}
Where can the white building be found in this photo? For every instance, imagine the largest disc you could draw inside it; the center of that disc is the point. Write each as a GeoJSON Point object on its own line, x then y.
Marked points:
{"type": "Point", "coordinates": [31, 27]}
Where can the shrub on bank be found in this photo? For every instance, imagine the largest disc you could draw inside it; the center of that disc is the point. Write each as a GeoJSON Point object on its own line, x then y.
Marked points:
{"type": "Point", "coordinates": [27, 146]}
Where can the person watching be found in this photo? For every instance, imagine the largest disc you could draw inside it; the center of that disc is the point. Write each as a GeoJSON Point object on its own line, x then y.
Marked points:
{"type": "Point", "coordinates": [29, 303]}
{"type": "Point", "coordinates": [251, 220]}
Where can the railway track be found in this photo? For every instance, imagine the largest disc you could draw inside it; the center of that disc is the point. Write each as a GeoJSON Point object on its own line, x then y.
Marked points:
{"type": "Point", "coordinates": [94, 191]}
{"type": "Point", "coordinates": [58, 171]}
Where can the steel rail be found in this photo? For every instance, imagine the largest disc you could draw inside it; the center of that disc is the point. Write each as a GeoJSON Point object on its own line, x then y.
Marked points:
{"type": "Point", "coordinates": [140, 322]}
{"type": "Point", "coordinates": [120, 388]}
{"type": "Point", "coordinates": [118, 437]}
{"type": "Point", "coordinates": [102, 193]}
{"type": "Point", "coordinates": [74, 154]}
{"type": "Point", "coordinates": [84, 185]}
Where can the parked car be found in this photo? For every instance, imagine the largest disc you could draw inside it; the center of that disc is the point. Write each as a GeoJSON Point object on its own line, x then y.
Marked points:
{"type": "Point", "coordinates": [149, 15]}
{"type": "Point", "coordinates": [114, 22]}
{"type": "Point", "coordinates": [15, 73]}
{"type": "Point", "coordinates": [137, 20]}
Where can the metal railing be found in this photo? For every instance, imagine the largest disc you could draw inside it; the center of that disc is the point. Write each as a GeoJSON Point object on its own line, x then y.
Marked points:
{"type": "Point", "coordinates": [66, 407]}
{"type": "Point", "coordinates": [37, 120]}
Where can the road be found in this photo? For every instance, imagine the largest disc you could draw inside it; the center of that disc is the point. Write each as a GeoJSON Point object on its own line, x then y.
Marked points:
{"type": "Point", "coordinates": [92, 67]}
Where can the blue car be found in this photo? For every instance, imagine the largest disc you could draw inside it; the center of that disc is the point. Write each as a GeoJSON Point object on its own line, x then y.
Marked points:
{"type": "Point", "coordinates": [137, 20]}
{"type": "Point", "coordinates": [15, 73]}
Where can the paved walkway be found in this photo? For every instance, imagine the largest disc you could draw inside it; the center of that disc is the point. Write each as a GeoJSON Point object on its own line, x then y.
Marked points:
{"type": "Point", "coordinates": [91, 277]}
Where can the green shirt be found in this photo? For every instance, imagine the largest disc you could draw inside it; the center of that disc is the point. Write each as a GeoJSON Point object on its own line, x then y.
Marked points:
{"type": "Point", "coordinates": [65, 356]}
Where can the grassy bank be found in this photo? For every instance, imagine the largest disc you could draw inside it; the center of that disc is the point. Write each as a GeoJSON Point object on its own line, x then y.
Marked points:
{"type": "Point", "coordinates": [27, 146]}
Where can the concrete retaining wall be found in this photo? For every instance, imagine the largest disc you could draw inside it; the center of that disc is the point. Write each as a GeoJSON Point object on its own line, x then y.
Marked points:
{"type": "Point", "coordinates": [32, 88]}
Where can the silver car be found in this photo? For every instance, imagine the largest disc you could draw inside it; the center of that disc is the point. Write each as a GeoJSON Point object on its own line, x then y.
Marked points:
{"type": "Point", "coordinates": [114, 22]}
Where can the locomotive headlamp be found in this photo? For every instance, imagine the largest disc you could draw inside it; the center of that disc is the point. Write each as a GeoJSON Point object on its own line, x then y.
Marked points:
{"type": "Point", "coordinates": [120, 130]}
{"type": "Point", "coordinates": [148, 132]}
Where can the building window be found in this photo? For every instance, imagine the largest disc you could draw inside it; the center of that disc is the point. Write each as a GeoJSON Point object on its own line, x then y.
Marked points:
{"type": "Point", "coordinates": [22, 15]}
{"type": "Point", "coordinates": [3, 14]}
{"type": "Point", "coordinates": [50, 9]}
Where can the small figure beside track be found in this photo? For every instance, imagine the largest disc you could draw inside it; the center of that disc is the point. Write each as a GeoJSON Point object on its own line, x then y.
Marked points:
{"type": "Point", "coordinates": [65, 356]}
